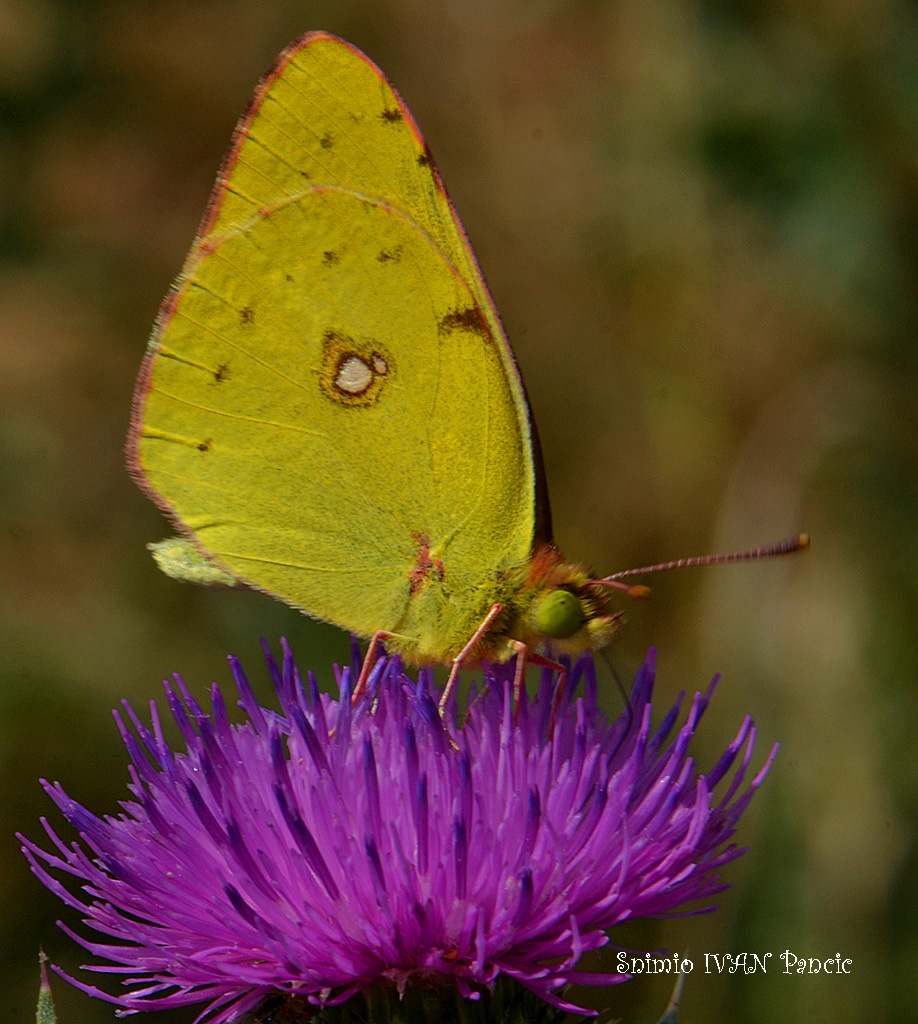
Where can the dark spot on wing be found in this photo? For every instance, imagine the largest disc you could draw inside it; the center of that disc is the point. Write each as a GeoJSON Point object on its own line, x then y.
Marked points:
{"type": "Point", "coordinates": [392, 115]}
{"type": "Point", "coordinates": [387, 255]}
{"type": "Point", "coordinates": [289, 278]}
{"type": "Point", "coordinates": [204, 446]}
{"type": "Point", "coordinates": [470, 319]}
{"type": "Point", "coordinates": [424, 566]}
{"type": "Point", "coordinates": [247, 315]}
{"type": "Point", "coordinates": [425, 159]}
{"type": "Point", "coordinates": [326, 142]}
{"type": "Point", "coordinates": [221, 373]}
{"type": "Point", "coordinates": [330, 257]}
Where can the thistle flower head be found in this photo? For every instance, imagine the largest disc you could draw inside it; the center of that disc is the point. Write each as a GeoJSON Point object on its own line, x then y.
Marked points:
{"type": "Point", "coordinates": [320, 849]}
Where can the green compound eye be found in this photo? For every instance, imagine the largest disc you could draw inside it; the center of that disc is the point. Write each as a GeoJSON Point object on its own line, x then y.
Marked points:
{"type": "Point", "coordinates": [559, 615]}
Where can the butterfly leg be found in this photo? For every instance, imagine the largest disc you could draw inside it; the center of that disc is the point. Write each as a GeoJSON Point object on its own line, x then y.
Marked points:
{"type": "Point", "coordinates": [526, 657]}
{"type": "Point", "coordinates": [464, 653]}
{"type": "Point", "coordinates": [378, 638]}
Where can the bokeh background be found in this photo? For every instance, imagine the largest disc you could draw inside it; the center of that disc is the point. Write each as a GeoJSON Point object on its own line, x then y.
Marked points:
{"type": "Point", "coordinates": [698, 220]}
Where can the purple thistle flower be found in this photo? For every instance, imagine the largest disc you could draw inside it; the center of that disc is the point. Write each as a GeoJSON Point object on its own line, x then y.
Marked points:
{"type": "Point", "coordinates": [315, 851]}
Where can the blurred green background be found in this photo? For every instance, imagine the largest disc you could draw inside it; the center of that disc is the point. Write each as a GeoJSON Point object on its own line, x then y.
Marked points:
{"type": "Point", "coordinates": [699, 223]}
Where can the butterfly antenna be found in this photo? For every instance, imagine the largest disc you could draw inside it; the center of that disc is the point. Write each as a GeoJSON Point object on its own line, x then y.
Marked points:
{"type": "Point", "coordinates": [784, 547]}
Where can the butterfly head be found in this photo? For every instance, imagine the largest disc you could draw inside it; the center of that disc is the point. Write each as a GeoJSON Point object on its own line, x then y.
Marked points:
{"type": "Point", "coordinates": [568, 609]}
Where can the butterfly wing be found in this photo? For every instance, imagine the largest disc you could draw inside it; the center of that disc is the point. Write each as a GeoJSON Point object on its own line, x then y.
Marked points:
{"type": "Point", "coordinates": [328, 405]}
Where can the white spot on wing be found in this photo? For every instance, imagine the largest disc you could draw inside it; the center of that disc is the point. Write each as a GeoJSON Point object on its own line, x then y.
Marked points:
{"type": "Point", "coordinates": [354, 375]}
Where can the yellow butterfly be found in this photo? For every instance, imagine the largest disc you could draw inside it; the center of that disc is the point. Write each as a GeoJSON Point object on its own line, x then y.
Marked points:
{"type": "Point", "coordinates": [329, 410]}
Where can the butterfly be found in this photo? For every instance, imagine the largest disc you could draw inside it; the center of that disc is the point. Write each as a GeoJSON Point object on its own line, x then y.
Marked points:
{"type": "Point", "coordinates": [329, 410]}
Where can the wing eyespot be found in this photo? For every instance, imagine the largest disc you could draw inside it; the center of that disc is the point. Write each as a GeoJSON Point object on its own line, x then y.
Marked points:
{"type": "Point", "coordinates": [353, 373]}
